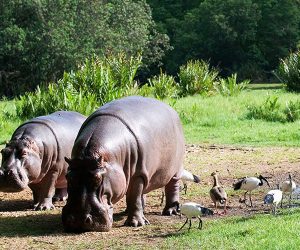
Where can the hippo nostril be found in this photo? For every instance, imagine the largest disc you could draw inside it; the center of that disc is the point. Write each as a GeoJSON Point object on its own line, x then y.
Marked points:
{"type": "Point", "coordinates": [88, 220]}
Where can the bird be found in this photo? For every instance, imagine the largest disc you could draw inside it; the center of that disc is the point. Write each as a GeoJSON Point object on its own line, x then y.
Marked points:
{"type": "Point", "coordinates": [192, 209]}
{"type": "Point", "coordinates": [188, 176]}
{"type": "Point", "coordinates": [296, 192]}
{"type": "Point", "coordinates": [273, 197]}
{"type": "Point", "coordinates": [288, 186]}
{"type": "Point", "coordinates": [249, 184]}
{"type": "Point", "coordinates": [185, 177]}
{"type": "Point", "coordinates": [217, 193]}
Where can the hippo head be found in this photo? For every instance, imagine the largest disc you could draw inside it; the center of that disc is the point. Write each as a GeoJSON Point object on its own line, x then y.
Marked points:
{"type": "Point", "coordinates": [88, 208]}
{"type": "Point", "coordinates": [21, 164]}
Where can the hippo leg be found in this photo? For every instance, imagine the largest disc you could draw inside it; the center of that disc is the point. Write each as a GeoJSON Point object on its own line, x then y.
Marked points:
{"type": "Point", "coordinates": [44, 191]}
{"type": "Point", "coordinates": [61, 194]}
{"type": "Point", "coordinates": [134, 202]}
{"type": "Point", "coordinates": [172, 197]}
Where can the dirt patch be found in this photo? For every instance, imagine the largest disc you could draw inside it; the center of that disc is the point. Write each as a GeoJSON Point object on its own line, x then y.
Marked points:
{"type": "Point", "coordinates": [23, 228]}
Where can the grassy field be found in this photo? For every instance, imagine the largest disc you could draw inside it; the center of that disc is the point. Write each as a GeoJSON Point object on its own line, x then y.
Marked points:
{"type": "Point", "coordinates": [243, 147]}
{"type": "Point", "coordinates": [221, 120]}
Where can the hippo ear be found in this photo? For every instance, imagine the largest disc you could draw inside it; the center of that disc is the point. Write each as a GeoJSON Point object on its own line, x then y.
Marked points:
{"type": "Point", "coordinates": [68, 160]}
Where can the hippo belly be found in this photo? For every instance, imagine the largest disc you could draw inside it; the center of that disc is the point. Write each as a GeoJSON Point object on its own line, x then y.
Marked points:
{"type": "Point", "coordinates": [35, 154]}
{"type": "Point", "coordinates": [130, 147]}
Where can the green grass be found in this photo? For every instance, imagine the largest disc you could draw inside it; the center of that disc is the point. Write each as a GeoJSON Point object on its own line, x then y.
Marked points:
{"type": "Point", "coordinates": [8, 121]}
{"type": "Point", "coordinates": [254, 232]}
{"type": "Point", "coordinates": [221, 120]}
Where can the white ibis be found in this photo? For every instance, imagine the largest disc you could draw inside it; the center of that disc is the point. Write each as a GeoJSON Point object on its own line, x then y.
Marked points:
{"type": "Point", "coordinates": [185, 177]}
{"type": "Point", "coordinates": [273, 198]}
{"type": "Point", "coordinates": [249, 184]}
{"type": "Point", "coordinates": [217, 193]}
{"type": "Point", "coordinates": [289, 187]}
{"type": "Point", "coordinates": [192, 209]}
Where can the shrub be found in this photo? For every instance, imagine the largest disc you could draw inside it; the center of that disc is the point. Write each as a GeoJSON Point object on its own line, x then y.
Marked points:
{"type": "Point", "coordinates": [196, 77]}
{"type": "Point", "coordinates": [292, 111]}
{"type": "Point", "coordinates": [269, 111]}
{"type": "Point", "coordinates": [230, 86]}
{"type": "Point", "coordinates": [289, 71]}
{"type": "Point", "coordinates": [163, 86]}
{"type": "Point", "coordinates": [97, 81]}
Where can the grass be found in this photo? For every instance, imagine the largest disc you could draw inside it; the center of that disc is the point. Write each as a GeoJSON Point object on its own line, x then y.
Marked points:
{"type": "Point", "coordinates": [254, 232]}
{"type": "Point", "coordinates": [222, 120]}
{"type": "Point", "coordinates": [8, 121]}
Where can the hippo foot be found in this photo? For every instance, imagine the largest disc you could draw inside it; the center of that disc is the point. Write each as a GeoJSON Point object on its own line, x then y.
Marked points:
{"type": "Point", "coordinates": [136, 221]}
{"type": "Point", "coordinates": [171, 210]}
{"type": "Point", "coordinates": [61, 194]}
{"type": "Point", "coordinates": [44, 205]}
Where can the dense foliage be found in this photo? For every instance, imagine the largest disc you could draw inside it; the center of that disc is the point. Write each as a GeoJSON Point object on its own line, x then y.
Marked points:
{"type": "Point", "coordinates": [244, 36]}
{"type": "Point", "coordinates": [39, 40]}
{"type": "Point", "coordinates": [92, 85]}
{"type": "Point", "coordinates": [289, 71]}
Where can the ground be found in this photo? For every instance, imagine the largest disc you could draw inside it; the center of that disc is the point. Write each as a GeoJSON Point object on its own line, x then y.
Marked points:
{"type": "Point", "coordinates": [20, 227]}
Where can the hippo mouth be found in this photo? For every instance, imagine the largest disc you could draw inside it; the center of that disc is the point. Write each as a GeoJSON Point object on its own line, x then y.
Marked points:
{"type": "Point", "coordinates": [99, 220]}
{"type": "Point", "coordinates": [13, 181]}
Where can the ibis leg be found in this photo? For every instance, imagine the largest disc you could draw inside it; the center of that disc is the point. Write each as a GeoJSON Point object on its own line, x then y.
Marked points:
{"type": "Point", "coordinates": [184, 224]}
{"type": "Point", "coordinates": [190, 224]}
{"type": "Point", "coordinates": [200, 223]}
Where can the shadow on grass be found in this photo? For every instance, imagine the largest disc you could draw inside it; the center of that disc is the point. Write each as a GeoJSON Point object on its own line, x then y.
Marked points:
{"type": "Point", "coordinates": [15, 205]}
{"type": "Point", "coordinates": [30, 225]}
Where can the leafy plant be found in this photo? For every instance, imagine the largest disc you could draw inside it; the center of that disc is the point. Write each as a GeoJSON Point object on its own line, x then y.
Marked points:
{"type": "Point", "coordinates": [292, 111]}
{"type": "Point", "coordinates": [97, 81]}
{"type": "Point", "coordinates": [196, 77]}
{"type": "Point", "coordinates": [289, 71]}
{"type": "Point", "coordinates": [269, 110]}
{"type": "Point", "coordinates": [230, 86]}
{"type": "Point", "coordinates": [163, 86]}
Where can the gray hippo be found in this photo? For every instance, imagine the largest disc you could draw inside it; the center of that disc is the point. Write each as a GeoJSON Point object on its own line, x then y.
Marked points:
{"type": "Point", "coordinates": [35, 154]}
{"type": "Point", "coordinates": [130, 147]}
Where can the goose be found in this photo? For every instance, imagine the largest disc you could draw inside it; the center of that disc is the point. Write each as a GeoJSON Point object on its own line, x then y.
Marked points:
{"type": "Point", "coordinates": [192, 209]}
{"type": "Point", "coordinates": [273, 197]}
{"type": "Point", "coordinates": [217, 193]}
{"type": "Point", "coordinates": [249, 184]}
{"type": "Point", "coordinates": [289, 187]}
{"type": "Point", "coordinates": [185, 177]}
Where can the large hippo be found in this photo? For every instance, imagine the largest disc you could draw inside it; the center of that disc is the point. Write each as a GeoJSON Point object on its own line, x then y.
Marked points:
{"type": "Point", "coordinates": [35, 154]}
{"type": "Point", "coordinates": [130, 147]}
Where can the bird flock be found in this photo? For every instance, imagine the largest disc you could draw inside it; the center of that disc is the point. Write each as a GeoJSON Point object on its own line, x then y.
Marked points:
{"type": "Point", "coordinates": [218, 195]}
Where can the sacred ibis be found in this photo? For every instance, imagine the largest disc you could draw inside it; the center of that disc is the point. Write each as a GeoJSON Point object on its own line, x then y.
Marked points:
{"type": "Point", "coordinates": [217, 193]}
{"type": "Point", "coordinates": [273, 198]}
{"type": "Point", "coordinates": [249, 184]}
{"type": "Point", "coordinates": [185, 177]}
{"type": "Point", "coordinates": [288, 187]}
{"type": "Point", "coordinates": [192, 209]}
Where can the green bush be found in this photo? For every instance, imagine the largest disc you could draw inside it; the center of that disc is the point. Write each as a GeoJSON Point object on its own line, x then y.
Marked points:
{"type": "Point", "coordinates": [289, 71]}
{"type": "Point", "coordinates": [97, 81]}
{"type": "Point", "coordinates": [197, 77]}
{"type": "Point", "coordinates": [269, 110]}
{"type": "Point", "coordinates": [292, 111]}
{"type": "Point", "coordinates": [162, 86]}
{"type": "Point", "coordinates": [230, 86]}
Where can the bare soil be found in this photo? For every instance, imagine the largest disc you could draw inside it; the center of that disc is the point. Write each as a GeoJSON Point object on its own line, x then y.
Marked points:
{"type": "Point", "coordinates": [20, 227]}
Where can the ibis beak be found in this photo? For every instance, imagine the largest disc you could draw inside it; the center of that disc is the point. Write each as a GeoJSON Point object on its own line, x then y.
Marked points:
{"type": "Point", "coordinates": [265, 180]}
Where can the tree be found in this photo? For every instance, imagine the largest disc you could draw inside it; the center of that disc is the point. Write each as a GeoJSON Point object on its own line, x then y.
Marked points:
{"type": "Point", "coordinates": [39, 40]}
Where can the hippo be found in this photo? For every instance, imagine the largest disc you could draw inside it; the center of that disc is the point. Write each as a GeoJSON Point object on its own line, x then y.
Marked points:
{"type": "Point", "coordinates": [34, 157]}
{"type": "Point", "coordinates": [128, 147]}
